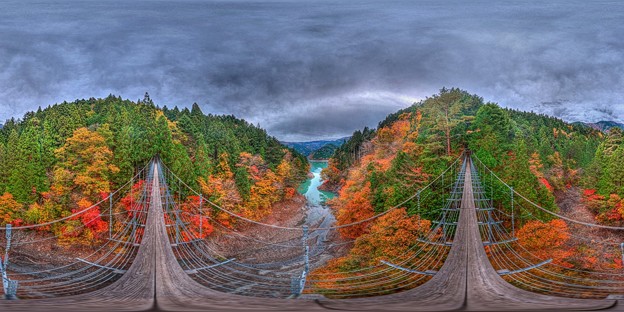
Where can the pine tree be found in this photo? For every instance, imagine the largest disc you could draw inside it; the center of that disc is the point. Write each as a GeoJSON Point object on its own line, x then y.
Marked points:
{"type": "Point", "coordinates": [123, 154]}
{"type": "Point", "coordinates": [4, 167]}
{"type": "Point", "coordinates": [27, 175]}
{"type": "Point", "coordinates": [202, 161]}
{"type": "Point", "coordinates": [85, 164]}
{"type": "Point", "coordinates": [616, 169]}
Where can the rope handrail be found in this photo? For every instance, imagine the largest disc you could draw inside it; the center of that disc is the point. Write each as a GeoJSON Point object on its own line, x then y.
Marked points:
{"type": "Point", "coordinates": [608, 227]}
{"type": "Point", "coordinates": [318, 228]}
{"type": "Point", "coordinates": [185, 229]}
{"type": "Point", "coordinates": [33, 226]}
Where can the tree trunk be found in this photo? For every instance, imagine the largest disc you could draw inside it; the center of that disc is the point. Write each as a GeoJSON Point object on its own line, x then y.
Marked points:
{"type": "Point", "coordinates": [447, 132]}
{"type": "Point", "coordinates": [448, 141]}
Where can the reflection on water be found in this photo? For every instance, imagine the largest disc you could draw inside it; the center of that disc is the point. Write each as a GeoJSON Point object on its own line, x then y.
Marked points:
{"type": "Point", "coordinates": [317, 211]}
{"type": "Point", "coordinates": [310, 187]}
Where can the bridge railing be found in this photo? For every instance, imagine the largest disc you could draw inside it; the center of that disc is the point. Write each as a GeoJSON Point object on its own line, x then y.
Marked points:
{"type": "Point", "coordinates": [48, 259]}
{"type": "Point", "coordinates": [203, 257]}
{"type": "Point", "coordinates": [575, 265]}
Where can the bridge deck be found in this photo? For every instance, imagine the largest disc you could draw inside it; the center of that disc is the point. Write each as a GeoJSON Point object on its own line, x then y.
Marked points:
{"type": "Point", "coordinates": [155, 281]}
{"type": "Point", "coordinates": [467, 280]}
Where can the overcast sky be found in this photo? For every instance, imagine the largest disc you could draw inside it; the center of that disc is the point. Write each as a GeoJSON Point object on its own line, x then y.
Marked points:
{"type": "Point", "coordinates": [319, 69]}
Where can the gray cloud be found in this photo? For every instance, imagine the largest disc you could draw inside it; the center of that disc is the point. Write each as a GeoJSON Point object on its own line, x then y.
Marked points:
{"type": "Point", "coordinates": [315, 70]}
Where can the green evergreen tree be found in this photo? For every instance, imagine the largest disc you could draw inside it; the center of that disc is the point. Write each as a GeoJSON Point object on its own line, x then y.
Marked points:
{"type": "Point", "coordinates": [27, 174]}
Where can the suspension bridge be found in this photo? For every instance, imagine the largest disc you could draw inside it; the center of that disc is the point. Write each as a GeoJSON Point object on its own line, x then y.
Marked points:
{"type": "Point", "coordinates": [155, 258]}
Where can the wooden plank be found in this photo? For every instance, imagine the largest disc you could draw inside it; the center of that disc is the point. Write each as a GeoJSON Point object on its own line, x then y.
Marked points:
{"type": "Point", "coordinates": [487, 291]}
{"type": "Point", "coordinates": [156, 281]}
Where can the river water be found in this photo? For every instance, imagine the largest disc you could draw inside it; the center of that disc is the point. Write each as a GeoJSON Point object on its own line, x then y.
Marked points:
{"type": "Point", "coordinates": [316, 208]}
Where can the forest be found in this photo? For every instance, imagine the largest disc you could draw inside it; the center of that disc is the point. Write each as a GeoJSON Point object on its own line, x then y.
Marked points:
{"type": "Point", "coordinates": [324, 152]}
{"type": "Point", "coordinates": [541, 157]}
{"type": "Point", "coordinates": [69, 156]}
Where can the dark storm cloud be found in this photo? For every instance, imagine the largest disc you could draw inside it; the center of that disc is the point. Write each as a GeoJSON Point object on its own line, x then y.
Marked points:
{"type": "Point", "coordinates": [318, 69]}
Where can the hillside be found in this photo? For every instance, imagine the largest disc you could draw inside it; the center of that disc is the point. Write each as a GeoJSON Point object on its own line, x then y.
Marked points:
{"type": "Point", "coordinates": [542, 157]}
{"type": "Point", "coordinates": [69, 155]}
{"type": "Point", "coordinates": [443, 125]}
{"type": "Point", "coordinates": [603, 125]}
{"type": "Point", "coordinates": [307, 148]}
{"type": "Point", "coordinates": [324, 152]}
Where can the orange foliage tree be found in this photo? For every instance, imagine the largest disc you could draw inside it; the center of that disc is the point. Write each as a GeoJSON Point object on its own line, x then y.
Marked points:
{"type": "Point", "coordinates": [614, 211]}
{"type": "Point", "coordinates": [355, 206]}
{"type": "Point", "coordinates": [331, 175]}
{"type": "Point", "coordinates": [264, 193]}
{"type": "Point", "coordinates": [85, 164]}
{"type": "Point", "coordinates": [9, 210]}
{"type": "Point", "coordinates": [391, 238]}
{"type": "Point", "coordinates": [608, 211]}
{"type": "Point", "coordinates": [536, 166]}
{"type": "Point", "coordinates": [222, 193]}
{"type": "Point", "coordinates": [557, 171]}
{"type": "Point", "coordinates": [81, 179]}
{"type": "Point", "coordinates": [354, 202]}
{"type": "Point", "coordinates": [266, 188]}
{"type": "Point", "coordinates": [547, 240]}
{"type": "Point", "coordinates": [190, 211]}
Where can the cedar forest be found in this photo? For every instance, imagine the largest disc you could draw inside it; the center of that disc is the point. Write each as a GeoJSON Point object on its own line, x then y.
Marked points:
{"type": "Point", "coordinates": [542, 157]}
{"type": "Point", "coordinates": [65, 158]}
{"type": "Point", "coordinates": [69, 156]}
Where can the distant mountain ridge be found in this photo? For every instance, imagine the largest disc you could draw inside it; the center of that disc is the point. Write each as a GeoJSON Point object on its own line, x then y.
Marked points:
{"type": "Point", "coordinates": [309, 147]}
{"type": "Point", "coordinates": [324, 153]}
{"type": "Point", "coordinates": [602, 125]}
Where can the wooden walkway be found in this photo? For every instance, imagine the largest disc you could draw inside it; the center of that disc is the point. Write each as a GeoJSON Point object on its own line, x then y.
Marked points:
{"type": "Point", "coordinates": [156, 282]}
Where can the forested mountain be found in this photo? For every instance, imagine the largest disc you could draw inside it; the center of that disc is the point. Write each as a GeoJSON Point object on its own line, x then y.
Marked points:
{"type": "Point", "coordinates": [524, 147]}
{"type": "Point", "coordinates": [307, 148]}
{"type": "Point", "coordinates": [540, 156]}
{"type": "Point", "coordinates": [70, 155]}
{"type": "Point", "coordinates": [324, 152]}
{"type": "Point", "coordinates": [603, 125]}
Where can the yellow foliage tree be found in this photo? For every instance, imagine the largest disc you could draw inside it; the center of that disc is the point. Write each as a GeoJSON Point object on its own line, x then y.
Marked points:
{"type": "Point", "coordinates": [9, 210]}
{"type": "Point", "coordinates": [85, 163]}
{"type": "Point", "coordinates": [391, 238]}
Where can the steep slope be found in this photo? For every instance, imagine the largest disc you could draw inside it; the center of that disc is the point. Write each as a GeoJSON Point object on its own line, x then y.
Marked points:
{"type": "Point", "coordinates": [538, 155]}
{"type": "Point", "coordinates": [603, 125]}
{"type": "Point", "coordinates": [309, 147]}
{"type": "Point", "coordinates": [69, 155]}
{"type": "Point", "coordinates": [324, 152]}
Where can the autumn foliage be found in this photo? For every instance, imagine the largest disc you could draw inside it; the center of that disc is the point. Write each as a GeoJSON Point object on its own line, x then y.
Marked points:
{"type": "Point", "coordinates": [80, 180]}
{"type": "Point", "coordinates": [9, 209]}
{"type": "Point", "coordinates": [355, 206]}
{"type": "Point", "coordinates": [547, 240]}
{"type": "Point", "coordinates": [362, 193]}
{"type": "Point", "coordinates": [265, 188]}
{"type": "Point", "coordinates": [607, 210]}
{"type": "Point", "coordinates": [391, 237]}
{"type": "Point", "coordinates": [131, 200]}
{"type": "Point", "coordinates": [190, 211]}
